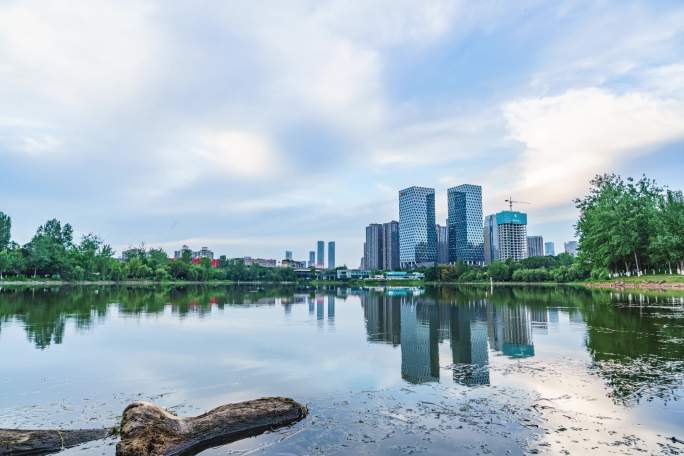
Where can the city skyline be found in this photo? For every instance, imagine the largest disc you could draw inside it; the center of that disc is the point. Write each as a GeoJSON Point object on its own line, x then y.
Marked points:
{"type": "Point", "coordinates": [167, 124]}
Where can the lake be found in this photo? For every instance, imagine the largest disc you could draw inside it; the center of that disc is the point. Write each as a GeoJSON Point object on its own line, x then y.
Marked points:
{"type": "Point", "coordinates": [443, 370]}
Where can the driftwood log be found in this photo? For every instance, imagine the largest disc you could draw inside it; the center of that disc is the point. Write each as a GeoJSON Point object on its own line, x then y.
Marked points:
{"type": "Point", "coordinates": [19, 442]}
{"type": "Point", "coordinates": [149, 430]}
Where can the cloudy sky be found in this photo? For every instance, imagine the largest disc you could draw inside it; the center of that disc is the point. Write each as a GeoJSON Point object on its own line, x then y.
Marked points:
{"type": "Point", "coordinates": [255, 127]}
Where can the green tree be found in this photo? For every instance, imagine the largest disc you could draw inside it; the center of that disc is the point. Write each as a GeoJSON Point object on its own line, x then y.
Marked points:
{"type": "Point", "coordinates": [5, 230]}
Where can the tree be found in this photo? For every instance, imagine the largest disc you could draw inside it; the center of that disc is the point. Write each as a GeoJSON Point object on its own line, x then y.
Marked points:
{"type": "Point", "coordinates": [5, 228]}
{"type": "Point", "coordinates": [499, 271]}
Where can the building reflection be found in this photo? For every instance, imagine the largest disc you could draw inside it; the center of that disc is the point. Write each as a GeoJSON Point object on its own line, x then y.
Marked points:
{"type": "Point", "coordinates": [473, 327]}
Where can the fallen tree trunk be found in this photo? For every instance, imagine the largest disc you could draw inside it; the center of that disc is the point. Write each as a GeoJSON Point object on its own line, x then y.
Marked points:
{"type": "Point", "coordinates": [149, 430]}
{"type": "Point", "coordinates": [19, 442]}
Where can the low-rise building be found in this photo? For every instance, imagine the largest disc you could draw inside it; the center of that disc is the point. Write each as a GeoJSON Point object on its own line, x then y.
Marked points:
{"type": "Point", "coordinates": [290, 263]}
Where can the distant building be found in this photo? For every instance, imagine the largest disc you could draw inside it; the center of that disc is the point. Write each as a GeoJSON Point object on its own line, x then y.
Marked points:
{"type": "Point", "coordinates": [535, 246]}
{"type": "Point", "coordinates": [214, 263]}
{"type": "Point", "coordinates": [312, 259]}
{"type": "Point", "coordinates": [442, 244]}
{"type": "Point", "coordinates": [293, 264]}
{"type": "Point", "coordinates": [390, 246]}
{"type": "Point", "coordinates": [204, 252]}
{"type": "Point", "coordinates": [549, 249]}
{"type": "Point", "coordinates": [417, 236]}
{"type": "Point", "coordinates": [320, 254]}
{"type": "Point", "coordinates": [264, 263]}
{"type": "Point", "coordinates": [331, 255]}
{"type": "Point", "coordinates": [178, 254]}
{"type": "Point", "coordinates": [571, 248]}
{"type": "Point", "coordinates": [373, 246]}
{"type": "Point", "coordinates": [505, 236]}
{"type": "Point", "coordinates": [288, 254]}
{"type": "Point", "coordinates": [465, 224]}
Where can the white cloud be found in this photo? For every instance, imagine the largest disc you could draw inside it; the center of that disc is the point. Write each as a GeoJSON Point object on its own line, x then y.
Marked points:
{"type": "Point", "coordinates": [236, 153]}
{"type": "Point", "coordinates": [571, 137]}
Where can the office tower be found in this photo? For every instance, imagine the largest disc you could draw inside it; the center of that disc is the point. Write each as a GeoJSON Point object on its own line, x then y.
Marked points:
{"type": "Point", "coordinates": [417, 237]}
{"type": "Point", "coordinates": [390, 246]}
{"type": "Point", "coordinates": [320, 254]}
{"type": "Point", "coordinates": [465, 224]}
{"type": "Point", "coordinates": [571, 248]}
{"type": "Point", "coordinates": [549, 249]}
{"type": "Point", "coordinates": [505, 236]}
{"type": "Point", "coordinates": [331, 255]}
{"type": "Point", "coordinates": [442, 244]}
{"type": "Point", "coordinates": [535, 246]}
{"type": "Point", "coordinates": [374, 246]}
{"type": "Point", "coordinates": [312, 258]}
{"type": "Point", "coordinates": [288, 255]}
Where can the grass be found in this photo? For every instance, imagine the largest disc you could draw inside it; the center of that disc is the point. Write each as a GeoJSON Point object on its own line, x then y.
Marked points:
{"type": "Point", "coordinates": [651, 278]}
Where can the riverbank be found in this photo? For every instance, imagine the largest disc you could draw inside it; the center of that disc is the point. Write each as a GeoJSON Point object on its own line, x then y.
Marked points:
{"type": "Point", "coordinates": [647, 282]}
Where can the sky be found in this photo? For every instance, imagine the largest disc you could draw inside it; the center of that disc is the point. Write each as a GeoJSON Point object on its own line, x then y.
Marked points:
{"type": "Point", "coordinates": [258, 127]}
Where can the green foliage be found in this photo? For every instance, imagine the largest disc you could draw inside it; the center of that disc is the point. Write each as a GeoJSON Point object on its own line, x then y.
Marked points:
{"type": "Point", "coordinates": [628, 226]}
{"type": "Point", "coordinates": [5, 229]}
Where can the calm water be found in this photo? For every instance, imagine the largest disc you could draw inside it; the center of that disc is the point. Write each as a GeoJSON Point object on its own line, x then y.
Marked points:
{"type": "Point", "coordinates": [396, 371]}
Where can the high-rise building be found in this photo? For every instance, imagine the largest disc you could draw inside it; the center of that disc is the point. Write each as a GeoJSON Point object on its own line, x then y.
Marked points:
{"type": "Point", "coordinates": [374, 246]}
{"type": "Point", "coordinates": [320, 254]}
{"type": "Point", "coordinates": [417, 236]}
{"type": "Point", "coordinates": [331, 255]}
{"type": "Point", "coordinates": [465, 224]}
{"type": "Point", "coordinates": [571, 248]}
{"type": "Point", "coordinates": [390, 246]}
{"type": "Point", "coordinates": [505, 236]}
{"type": "Point", "coordinates": [288, 254]}
{"type": "Point", "coordinates": [442, 244]}
{"type": "Point", "coordinates": [535, 246]}
{"type": "Point", "coordinates": [549, 249]}
{"type": "Point", "coordinates": [312, 258]}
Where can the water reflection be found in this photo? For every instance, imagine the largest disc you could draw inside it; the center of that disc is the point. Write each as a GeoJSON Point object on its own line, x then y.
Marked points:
{"type": "Point", "coordinates": [634, 340]}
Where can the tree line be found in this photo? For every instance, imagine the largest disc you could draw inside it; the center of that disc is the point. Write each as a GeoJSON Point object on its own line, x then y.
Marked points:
{"type": "Point", "coordinates": [560, 268]}
{"type": "Point", "coordinates": [53, 254]}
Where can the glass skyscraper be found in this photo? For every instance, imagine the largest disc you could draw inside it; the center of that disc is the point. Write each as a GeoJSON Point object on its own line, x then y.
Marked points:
{"type": "Point", "coordinates": [465, 224]}
{"type": "Point", "coordinates": [331, 255]}
{"type": "Point", "coordinates": [417, 235]}
{"type": "Point", "coordinates": [320, 254]}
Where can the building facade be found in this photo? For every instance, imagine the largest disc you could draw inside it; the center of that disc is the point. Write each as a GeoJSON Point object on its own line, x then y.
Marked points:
{"type": "Point", "coordinates": [320, 254]}
{"type": "Point", "coordinates": [442, 244]}
{"type": "Point", "coordinates": [417, 236]}
{"type": "Point", "coordinates": [390, 246]}
{"type": "Point", "coordinates": [374, 247]}
{"type": "Point", "coordinates": [549, 249]}
{"type": "Point", "coordinates": [505, 236]}
{"type": "Point", "coordinates": [331, 255]}
{"type": "Point", "coordinates": [535, 246]}
{"type": "Point", "coordinates": [466, 242]}
{"type": "Point", "coordinates": [312, 258]}
{"type": "Point", "coordinates": [288, 254]}
{"type": "Point", "coordinates": [571, 248]}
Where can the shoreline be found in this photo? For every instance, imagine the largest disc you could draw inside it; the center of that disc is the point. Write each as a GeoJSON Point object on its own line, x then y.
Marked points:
{"type": "Point", "coordinates": [603, 285]}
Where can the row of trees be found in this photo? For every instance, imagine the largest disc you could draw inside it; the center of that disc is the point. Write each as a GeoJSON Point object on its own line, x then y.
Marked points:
{"type": "Point", "coordinates": [52, 253]}
{"type": "Point", "coordinates": [630, 227]}
{"type": "Point", "coordinates": [560, 268]}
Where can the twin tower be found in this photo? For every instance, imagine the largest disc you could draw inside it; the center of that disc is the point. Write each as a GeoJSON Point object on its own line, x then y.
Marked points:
{"type": "Point", "coordinates": [417, 233]}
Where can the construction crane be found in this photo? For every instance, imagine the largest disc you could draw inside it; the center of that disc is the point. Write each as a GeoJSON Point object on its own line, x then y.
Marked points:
{"type": "Point", "coordinates": [510, 202]}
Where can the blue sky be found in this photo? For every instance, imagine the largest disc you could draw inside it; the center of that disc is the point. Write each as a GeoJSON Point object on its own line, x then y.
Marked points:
{"type": "Point", "coordinates": [256, 127]}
